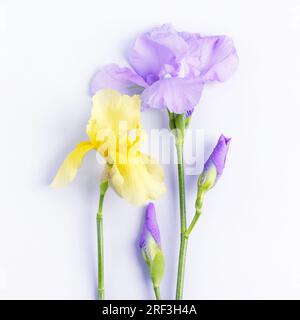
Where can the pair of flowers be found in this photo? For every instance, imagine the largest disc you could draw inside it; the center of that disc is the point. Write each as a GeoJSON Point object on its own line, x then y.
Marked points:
{"type": "Point", "coordinates": [169, 71]}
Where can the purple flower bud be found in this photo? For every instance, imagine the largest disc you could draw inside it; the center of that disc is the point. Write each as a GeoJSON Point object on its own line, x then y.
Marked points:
{"type": "Point", "coordinates": [215, 164]}
{"type": "Point", "coordinates": [150, 228]}
{"type": "Point", "coordinates": [151, 246]}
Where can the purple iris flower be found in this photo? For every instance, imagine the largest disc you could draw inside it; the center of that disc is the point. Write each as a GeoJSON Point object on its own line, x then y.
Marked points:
{"type": "Point", "coordinates": [170, 68]}
{"type": "Point", "coordinates": [215, 164]}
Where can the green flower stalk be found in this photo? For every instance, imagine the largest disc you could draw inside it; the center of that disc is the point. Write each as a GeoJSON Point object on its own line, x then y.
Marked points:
{"type": "Point", "coordinates": [212, 171]}
{"type": "Point", "coordinates": [104, 184]}
{"type": "Point", "coordinates": [178, 124]}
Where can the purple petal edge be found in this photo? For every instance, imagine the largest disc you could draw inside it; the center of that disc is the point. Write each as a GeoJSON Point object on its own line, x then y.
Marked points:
{"type": "Point", "coordinates": [114, 77]}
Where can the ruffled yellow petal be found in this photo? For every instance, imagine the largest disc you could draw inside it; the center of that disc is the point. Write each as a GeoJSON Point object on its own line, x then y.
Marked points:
{"type": "Point", "coordinates": [113, 113]}
{"type": "Point", "coordinates": [139, 180]}
{"type": "Point", "coordinates": [68, 170]}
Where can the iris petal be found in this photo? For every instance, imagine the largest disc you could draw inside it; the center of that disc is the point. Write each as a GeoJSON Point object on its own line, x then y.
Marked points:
{"type": "Point", "coordinates": [138, 180]}
{"type": "Point", "coordinates": [114, 77]}
{"type": "Point", "coordinates": [68, 170]}
{"type": "Point", "coordinates": [156, 52]}
{"type": "Point", "coordinates": [176, 94]}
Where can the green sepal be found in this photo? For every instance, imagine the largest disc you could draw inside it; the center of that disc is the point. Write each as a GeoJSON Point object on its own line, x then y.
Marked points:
{"type": "Point", "coordinates": [171, 120]}
{"type": "Point", "coordinates": [157, 268]}
{"type": "Point", "coordinates": [180, 121]}
{"type": "Point", "coordinates": [104, 184]}
{"type": "Point", "coordinates": [187, 121]}
{"type": "Point", "coordinates": [207, 179]}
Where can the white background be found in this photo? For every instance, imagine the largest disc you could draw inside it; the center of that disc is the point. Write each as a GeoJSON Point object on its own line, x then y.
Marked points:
{"type": "Point", "coordinates": [246, 244]}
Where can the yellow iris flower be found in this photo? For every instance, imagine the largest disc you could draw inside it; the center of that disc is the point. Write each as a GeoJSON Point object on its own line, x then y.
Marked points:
{"type": "Point", "coordinates": [136, 177]}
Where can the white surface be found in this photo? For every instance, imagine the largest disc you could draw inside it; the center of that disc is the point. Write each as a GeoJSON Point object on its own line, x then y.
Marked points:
{"type": "Point", "coordinates": [247, 242]}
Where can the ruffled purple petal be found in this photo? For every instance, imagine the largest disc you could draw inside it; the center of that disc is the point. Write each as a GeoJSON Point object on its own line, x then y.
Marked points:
{"type": "Point", "coordinates": [190, 65]}
{"type": "Point", "coordinates": [219, 59]}
{"type": "Point", "coordinates": [177, 94]}
{"type": "Point", "coordinates": [150, 227]}
{"type": "Point", "coordinates": [218, 156]}
{"type": "Point", "coordinates": [114, 77]}
{"type": "Point", "coordinates": [155, 53]}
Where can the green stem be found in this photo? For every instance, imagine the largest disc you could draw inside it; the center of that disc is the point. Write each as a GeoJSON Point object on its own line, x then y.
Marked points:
{"type": "Point", "coordinates": [197, 215]}
{"type": "Point", "coordinates": [103, 188]}
{"type": "Point", "coordinates": [157, 293]}
{"type": "Point", "coordinates": [193, 223]}
{"type": "Point", "coordinates": [183, 237]}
